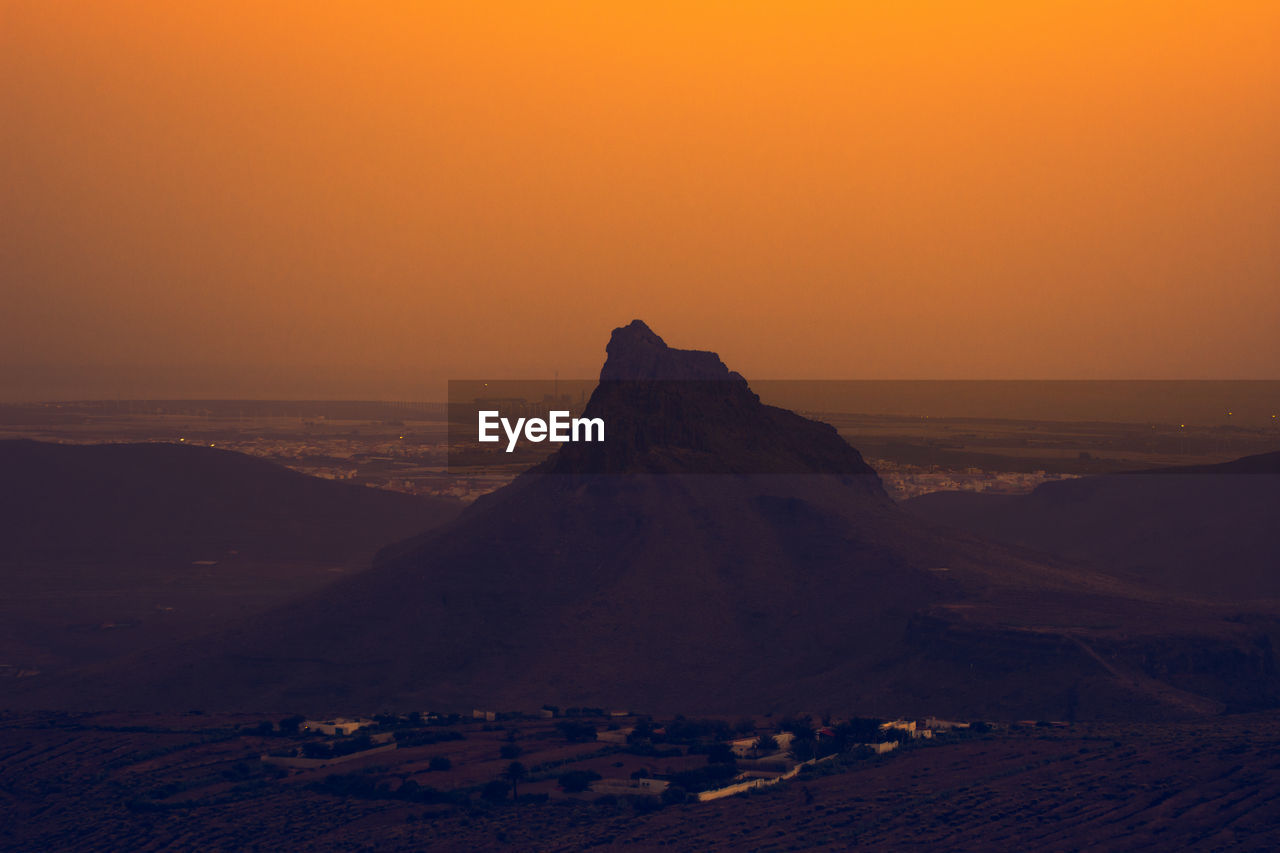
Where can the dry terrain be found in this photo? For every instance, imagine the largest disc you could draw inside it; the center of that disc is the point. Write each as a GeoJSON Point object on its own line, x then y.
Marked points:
{"type": "Point", "coordinates": [196, 782]}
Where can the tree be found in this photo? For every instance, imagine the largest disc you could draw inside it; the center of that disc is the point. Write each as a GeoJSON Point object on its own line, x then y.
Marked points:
{"type": "Point", "coordinates": [720, 753]}
{"type": "Point", "coordinates": [576, 732]}
{"type": "Point", "coordinates": [316, 750]}
{"type": "Point", "coordinates": [515, 774]}
{"type": "Point", "coordinates": [674, 795]}
{"type": "Point", "coordinates": [440, 762]}
{"type": "Point", "coordinates": [766, 744]}
{"type": "Point", "coordinates": [804, 738]}
{"type": "Point", "coordinates": [802, 748]}
{"type": "Point", "coordinates": [861, 729]}
{"type": "Point", "coordinates": [510, 750]}
{"type": "Point", "coordinates": [643, 731]}
{"type": "Point", "coordinates": [577, 781]}
{"type": "Point", "coordinates": [289, 725]}
{"type": "Point", "coordinates": [801, 728]}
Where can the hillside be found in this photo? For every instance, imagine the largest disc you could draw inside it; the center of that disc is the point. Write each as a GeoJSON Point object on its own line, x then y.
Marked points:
{"type": "Point", "coordinates": [63, 502]}
{"type": "Point", "coordinates": [1207, 530]}
{"type": "Point", "coordinates": [716, 555]}
{"type": "Point", "coordinates": [106, 550]}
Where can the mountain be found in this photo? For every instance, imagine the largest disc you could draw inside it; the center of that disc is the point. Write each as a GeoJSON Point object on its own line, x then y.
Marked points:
{"type": "Point", "coordinates": [713, 555]}
{"type": "Point", "coordinates": [118, 502]}
{"type": "Point", "coordinates": [1206, 530]}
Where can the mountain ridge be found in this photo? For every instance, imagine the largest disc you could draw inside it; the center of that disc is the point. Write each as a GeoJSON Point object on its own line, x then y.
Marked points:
{"type": "Point", "coordinates": [653, 572]}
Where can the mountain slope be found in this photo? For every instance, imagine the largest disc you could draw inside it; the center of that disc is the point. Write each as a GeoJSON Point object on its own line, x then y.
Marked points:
{"type": "Point", "coordinates": [715, 555]}
{"type": "Point", "coordinates": [1207, 530]}
{"type": "Point", "coordinates": [62, 502]}
{"type": "Point", "coordinates": [106, 550]}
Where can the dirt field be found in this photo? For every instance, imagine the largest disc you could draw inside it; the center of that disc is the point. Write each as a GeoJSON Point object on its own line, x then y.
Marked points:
{"type": "Point", "coordinates": [196, 782]}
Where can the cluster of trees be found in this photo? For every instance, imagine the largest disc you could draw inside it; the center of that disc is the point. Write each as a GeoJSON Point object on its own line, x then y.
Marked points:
{"type": "Point", "coordinates": [576, 732]}
{"type": "Point", "coordinates": [288, 727]}
{"type": "Point", "coordinates": [511, 777]}
{"type": "Point", "coordinates": [720, 769]}
{"type": "Point", "coordinates": [426, 738]}
{"type": "Point", "coordinates": [577, 781]}
{"type": "Point", "coordinates": [336, 748]}
{"type": "Point", "coordinates": [648, 739]}
{"type": "Point", "coordinates": [703, 778]}
{"type": "Point", "coordinates": [415, 719]}
{"type": "Point", "coordinates": [686, 731]}
{"type": "Point", "coordinates": [359, 786]}
{"type": "Point", "coordinates": [842, 738]}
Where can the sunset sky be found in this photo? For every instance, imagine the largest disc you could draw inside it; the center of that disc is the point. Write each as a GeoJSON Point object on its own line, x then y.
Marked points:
{"type": "Point", "coordinates": [318, 199]}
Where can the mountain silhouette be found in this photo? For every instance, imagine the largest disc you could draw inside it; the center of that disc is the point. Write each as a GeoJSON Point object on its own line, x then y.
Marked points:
{"type": "Point", "coordinates": [1205, 530]}
{"type": "Point", "coordinates": [714, 555]}
{"type": "Point", "coordinates": [683, 412]}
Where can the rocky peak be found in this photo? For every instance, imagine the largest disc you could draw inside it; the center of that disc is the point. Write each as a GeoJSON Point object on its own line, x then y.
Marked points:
{"type": "Point", "coordinates": [636, 353]}
{"type": "Point", "coordinates": [683, 411]}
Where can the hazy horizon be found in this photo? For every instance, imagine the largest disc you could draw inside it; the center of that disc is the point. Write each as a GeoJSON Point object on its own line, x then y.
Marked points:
{"type": "Point", "coordinates": [1253, 404]}
{"type": "Point", "coordinates": [62, 383]}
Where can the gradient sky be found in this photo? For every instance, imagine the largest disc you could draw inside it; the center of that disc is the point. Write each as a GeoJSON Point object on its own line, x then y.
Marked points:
{"type": "Point", "coordinates": [327, 199]}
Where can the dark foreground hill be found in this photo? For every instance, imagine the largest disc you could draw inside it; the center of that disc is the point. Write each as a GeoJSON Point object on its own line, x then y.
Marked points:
{"type": "Point", "coordinates": [713, 555]}
{"type": "Point", "coordinates": [114, 502]}
{"type": "Point", "coordinates": [1208, 530]}
{"type": "Point", "coordinates": [108, 549]}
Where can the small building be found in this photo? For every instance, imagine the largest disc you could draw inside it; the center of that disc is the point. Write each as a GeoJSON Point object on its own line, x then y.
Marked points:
{"type": "Point", "coordinates": [487, 716]}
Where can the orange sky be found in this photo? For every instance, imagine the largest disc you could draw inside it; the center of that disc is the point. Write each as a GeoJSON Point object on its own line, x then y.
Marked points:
{"type": "Point", "coordinates": [361, 203]}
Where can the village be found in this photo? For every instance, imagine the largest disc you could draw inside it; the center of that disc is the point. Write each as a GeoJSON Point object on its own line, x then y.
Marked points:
{"type": "Point", "coordinates": [580, 753]}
